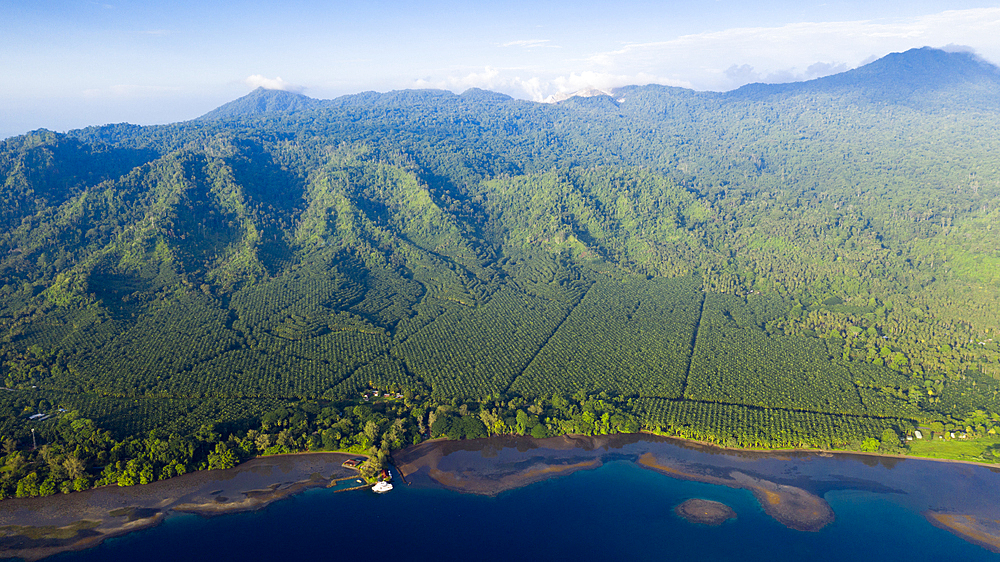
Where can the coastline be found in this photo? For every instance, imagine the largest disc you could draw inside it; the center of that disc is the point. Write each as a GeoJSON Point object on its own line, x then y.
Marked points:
{"type": "Point", "coordinates": [495, 465]}
{"type": "Point", "coordinates": [35, 528]}
{"type": "Point", "coordinates": [832, 452]}
{"type": "Point", "coordinates": [792, 506]}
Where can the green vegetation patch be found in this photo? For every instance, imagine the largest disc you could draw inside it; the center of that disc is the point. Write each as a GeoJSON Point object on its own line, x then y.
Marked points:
{"type": "Point", "coordinates": [285, 368]}
{"type": "Point", "coordinates": [137, 416]}
{"type": "Point", "coordinates": [630, 336]}
{"type": "Point", "coordinates": [881, 402]}
{"type": "Point", "coordinates": [976, 450]}
{"type": "Point", "coordinates": [735, 361]}
{"type": "Point", "coordinates": [171, 340]}
{"type": "Point", "coordinates": [744, 426]}
{"type": "Point", "coordinates": [385, 371]}
{"type": "Point", "coordinates": [479, 351]}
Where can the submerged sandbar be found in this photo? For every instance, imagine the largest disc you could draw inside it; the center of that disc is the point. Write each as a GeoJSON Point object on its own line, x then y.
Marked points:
{"type": "Point", "coordinates": [789, 505]}
{"type": "Point", "coordinates": [705, 512]}
{"type": "Point", "coordinates": [978, 530]}
{"type": "Point", "coordinates": [789, 485]}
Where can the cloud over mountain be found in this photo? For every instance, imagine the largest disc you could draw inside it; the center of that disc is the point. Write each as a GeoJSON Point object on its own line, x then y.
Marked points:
{"type": "Point", "coordinates": [729, 58]}
{"type": "Point", "coordinates": [259, 81]}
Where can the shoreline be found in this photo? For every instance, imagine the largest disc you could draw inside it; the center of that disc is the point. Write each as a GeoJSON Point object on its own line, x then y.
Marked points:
{"type": "Point", "coordinates": [786, 502]}
{"type": "Point", "coordinates": [35, 528]}
{"type": "Point", "coordinates": [735, 450]}
{"type": "Point", "coordinates": [832, 452]}
{"type": "Point", "coordinates": [680, 441]}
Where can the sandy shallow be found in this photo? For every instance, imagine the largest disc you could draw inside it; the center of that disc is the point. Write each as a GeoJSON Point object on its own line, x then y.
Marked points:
{"type": "Point", "coordinates": [33, 528]}
{"type": "Point", "coordinates": [489, 479]}
{"type": "Point", "coordinates": [790, 486]}
{"type": "Point", "coordinates": [705, 512]}
{"type": "Point", "coordinates": [978, 530]}
{"type": "Point", "coordinates": [791, 506]}
{"type": "Point", "coordinates": [490, 467]}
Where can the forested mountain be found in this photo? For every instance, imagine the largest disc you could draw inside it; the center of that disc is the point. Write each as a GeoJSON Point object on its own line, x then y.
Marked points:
{"type": "Point", "coordinates": [262, 101]}
{"type": "Point", "coordinates": [927, 79]}
{"type": "Point", "coordinates": [796, 264]}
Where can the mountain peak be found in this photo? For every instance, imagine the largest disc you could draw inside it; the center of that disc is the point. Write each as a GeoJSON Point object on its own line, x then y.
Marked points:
{"type": "Point", "coordinates": [261, 101]}
{"type": "Point", "coordinates": [926, 78]}
{"type": "Point", "coordinates": [927, 63]}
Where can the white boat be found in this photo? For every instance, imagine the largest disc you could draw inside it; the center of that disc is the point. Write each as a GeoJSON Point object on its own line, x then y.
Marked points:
{"type": "Point", "coordinates": [382, 487]}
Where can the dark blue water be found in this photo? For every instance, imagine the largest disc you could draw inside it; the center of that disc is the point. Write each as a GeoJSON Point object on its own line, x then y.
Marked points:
{"type": "Point", "coordinates": [617, 512]}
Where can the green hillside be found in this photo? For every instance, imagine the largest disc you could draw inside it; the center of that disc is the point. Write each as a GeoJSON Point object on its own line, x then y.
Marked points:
{"type": "Point", "coordinates": [809, 264]}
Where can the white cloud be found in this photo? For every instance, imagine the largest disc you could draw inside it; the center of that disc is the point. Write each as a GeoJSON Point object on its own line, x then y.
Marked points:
{"type": "Point", "coordinates": [541, 86]}
{"type": "Point", "coordinates": [728, 58]}
{"type": "Point", "coordinates": [507, 81]}
{"type": "Point", "coordinates": [487, 79]}
{"type": "Point", "coordinates": [259, 81]}
{"type": "Point", "coordinates": [745, 74]}
{"type": "Point", "coordinates": [528, 43]}
{"type": "Point", "coordinates": [742, 73]}
{"type": "Point", "coordinates": [716, 60]}
{"type": "Point", "coordinates": [575, 82]}
{"type": "Point", "coordinates": [953, 48]}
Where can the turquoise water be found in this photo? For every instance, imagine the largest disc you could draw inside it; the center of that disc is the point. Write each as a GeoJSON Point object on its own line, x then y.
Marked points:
{"type": "Point", "coordinates": [618, 511]}
{"type": "Point", "coordinates": [345, 485]}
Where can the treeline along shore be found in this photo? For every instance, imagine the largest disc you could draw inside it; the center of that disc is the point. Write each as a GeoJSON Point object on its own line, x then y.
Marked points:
{"type": "Point", "coordinates": [790, 487]}
{"type": "Point", "coordinates": [70, 453]}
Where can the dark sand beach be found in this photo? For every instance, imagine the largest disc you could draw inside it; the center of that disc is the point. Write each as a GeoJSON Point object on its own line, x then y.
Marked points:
{"type": "Point", "coordinates": [33, 528]}
{"type": "Point", "coordinates": [792, 487]}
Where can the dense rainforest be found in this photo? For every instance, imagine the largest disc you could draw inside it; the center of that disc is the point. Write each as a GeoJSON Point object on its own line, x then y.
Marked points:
{"type": "Point", "coordinates": [814, 264]}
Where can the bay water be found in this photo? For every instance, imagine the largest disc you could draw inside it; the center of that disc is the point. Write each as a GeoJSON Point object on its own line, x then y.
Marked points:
{"type": "Point", "coordinates": [618, 510]}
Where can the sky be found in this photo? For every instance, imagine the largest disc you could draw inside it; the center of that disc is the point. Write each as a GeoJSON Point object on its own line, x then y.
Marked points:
{"type": "Point", "coordinates": [67, 64]}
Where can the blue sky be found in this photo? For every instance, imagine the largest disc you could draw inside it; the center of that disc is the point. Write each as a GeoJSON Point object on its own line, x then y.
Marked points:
{"type": "Point", "coordinates": [71, 63]}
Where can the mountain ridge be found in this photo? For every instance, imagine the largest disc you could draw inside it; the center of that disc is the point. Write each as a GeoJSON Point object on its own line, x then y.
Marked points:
{"type": "Point", "coordinates": [894, 78]}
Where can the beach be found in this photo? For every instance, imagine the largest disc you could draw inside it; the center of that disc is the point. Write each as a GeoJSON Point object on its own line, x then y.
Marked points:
{"type": "Point", "coordinates": [34, 528]}
{"type": "Point", "coordinates": [790, 487]}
